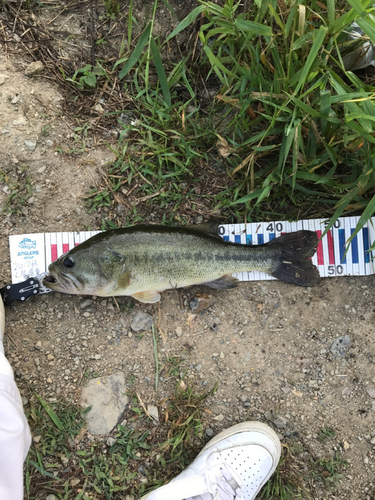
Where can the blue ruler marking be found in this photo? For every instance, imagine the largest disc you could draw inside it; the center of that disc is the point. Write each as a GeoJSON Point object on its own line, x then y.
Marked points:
{"type": "Point", "coordinates": [366, 245]}
{"type": "Point", "coordinates": [354, 248]}
{"type": "Point", "coordinates": [260, 239]}
{"type": "Point", "coordinates": [342, 246]}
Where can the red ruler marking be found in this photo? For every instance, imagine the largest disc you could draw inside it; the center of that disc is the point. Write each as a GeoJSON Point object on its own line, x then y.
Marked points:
{"type": "Point", "coordinates": [75, 244]}
{"type": "Point", "coordinates": [331, 251]}
{"type": "Point", "coordinates": [319, 249]}
{"type": "Point", "coordinates": [53, 252]}
{"type": "Point", "coordinates": [65, 247]}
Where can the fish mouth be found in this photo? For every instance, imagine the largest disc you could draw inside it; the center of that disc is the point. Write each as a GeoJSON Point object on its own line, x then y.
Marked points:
{"type": "Point", "coordinates": [49, 279]}
{"type": "Point", "coordinates": [62, 283]}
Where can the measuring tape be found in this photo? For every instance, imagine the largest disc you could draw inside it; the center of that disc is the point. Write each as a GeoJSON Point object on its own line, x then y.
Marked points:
{"type": "Point", "coordinates": [31, 254]}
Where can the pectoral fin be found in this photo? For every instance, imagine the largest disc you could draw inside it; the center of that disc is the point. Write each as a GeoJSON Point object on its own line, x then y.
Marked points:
{"type": "Point", "coordinates": [124, 280]}
{"type": "Point", "coordinates": [226, 281]}
{"type": "Point", "coordinates": [148, 297]}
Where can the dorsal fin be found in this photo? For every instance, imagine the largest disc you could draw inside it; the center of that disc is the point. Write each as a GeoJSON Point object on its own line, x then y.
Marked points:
{"type": "Point", "coordinates": [210, 227]}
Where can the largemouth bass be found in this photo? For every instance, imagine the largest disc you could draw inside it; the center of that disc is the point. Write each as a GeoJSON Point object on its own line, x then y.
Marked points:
{"type": "Point", "coordinates": [142, 261]}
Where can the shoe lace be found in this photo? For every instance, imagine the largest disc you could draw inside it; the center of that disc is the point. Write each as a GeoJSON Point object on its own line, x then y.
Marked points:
{"type": "Point", "coordinates": [223, 487]}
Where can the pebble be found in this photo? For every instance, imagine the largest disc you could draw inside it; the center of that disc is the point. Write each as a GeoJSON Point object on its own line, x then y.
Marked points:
{"type": "Point", "coordinates": [346, 445]}
{"type": "Point", "coordinates": [279, 421]}
{"type": "Point", "coordinates": [154, 412]}
{"type": "Point", "coordinates": [179, 331]}
{"type": "Point", "coordinates": [219, 418]}
{"type": "Point", "coordinates": [111, 441]}
{"type": "Point", "coordinates": [339, 346]}
{"type": "Point", "coordinates": [142, 322]}
{"type": "Point", "coordinates": [201, 301]}
{"type": "Point", "coordinates": [209, 432]}
{"type": "Point", "coordinates": [198, 367]}
{"type": "Point", "coordinates": [371, 392]}
{"type": "Point", "coordinates": [34, 68]}
{"type": "Point", "coordinates": [30, 144]}
{"type": "Point", "coordinates": [85, 303]}
{"type": "Point", "coordinates": [51, 496]}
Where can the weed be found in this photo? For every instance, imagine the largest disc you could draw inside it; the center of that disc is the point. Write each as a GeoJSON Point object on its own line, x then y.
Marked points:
{"type": "Point", "coordinates": [326, 434]}
{"type": "Point", "coordinates": [184, 412]}
{"type": "Point", "coordinates": [330, 469]}
{"type": "Point", "coordinates": [18, 189]}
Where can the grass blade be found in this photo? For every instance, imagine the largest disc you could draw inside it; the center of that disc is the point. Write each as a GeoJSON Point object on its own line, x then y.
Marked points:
{"type": "Point", "coordinates": [189, 19]}
{"type": "Point", "coordinates": [160, 71]}
{"type": "Point", "coordinates": [136, 54]}
{"type": "Point", "coordinates": [319, 38]}
{"type": "Point", "coordinates": [52, 415]}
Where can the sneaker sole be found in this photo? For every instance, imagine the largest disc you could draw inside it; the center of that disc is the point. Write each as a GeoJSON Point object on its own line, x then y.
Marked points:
{"type": "Point", "coordinates": [245, 427]}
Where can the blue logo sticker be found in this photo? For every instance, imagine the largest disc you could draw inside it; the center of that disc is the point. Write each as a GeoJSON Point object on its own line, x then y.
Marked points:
{"type": "Point", "coordinates": [27, 244]}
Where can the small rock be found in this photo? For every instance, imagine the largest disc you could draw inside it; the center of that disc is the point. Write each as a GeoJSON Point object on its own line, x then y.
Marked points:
{"type": "Point", "coordinates": [346, 445]}
{"type": "Point", "coordinates": [99, 109]}
{"type": "Point", "coordinates": [41, 170]}
{"type": "Point", "coordinates": [85, 303]}
{"type": "Point", "coordinates": [346, 391]}
{"type": "Point", "coordinates": [51, 496]}
{"type": "Point", "coordinates": [153, 412]}
{"type": "Point", "coordinates": [201, 301]}
{"type": "Point", "coordinates": [221, 355]}
{"type": "Point", "coordinates": [179, 331]}
{"type": "Point", "coordinates": [209, 432]}
{"type": "Point", "coordinates": [339, 345]}
{"type": "Point", "coordinates": [372, 441]}
{"type": "Point", "coordinates": [2, 79]}
{"type": "Point", "coordinates": [142, 322]}
{"type": "Point", "coordinates": [30, 144]}
{"type": "Point", "coordinates": [15, 99]}
{"type": "Point", "coordinates": [49, 143]}
{"type": "Point", "coordinates": [286, 390]}
{"type": "Point", "coordinates": [219, 418]}
{"type": "Point", "coordinates": [74, 481]}
{"type": "Point", "coordinates": [198, 367]}
{"type": "Point", "coordinates": [36, 439]}
{"type": "Point", "coordinates": [34, 68]}
{"type": "Point", "coordinates": [111, 441]}
{"type": "Point", "coordinates": [371, 392]}
{"type": "Point", "coordinates": [50, 357]}
{"type": "Point", "coordinates": [279, 421]}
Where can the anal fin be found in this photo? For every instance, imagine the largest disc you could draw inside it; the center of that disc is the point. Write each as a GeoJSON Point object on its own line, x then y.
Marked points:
{"type": "Point", "coordinates": [147, 297]}
{"type": "Point", "coordinates": [226, 281]}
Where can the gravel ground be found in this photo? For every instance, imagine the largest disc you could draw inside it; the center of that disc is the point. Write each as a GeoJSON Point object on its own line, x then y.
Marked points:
{"type": "Point", "coordinates": [300, 359]}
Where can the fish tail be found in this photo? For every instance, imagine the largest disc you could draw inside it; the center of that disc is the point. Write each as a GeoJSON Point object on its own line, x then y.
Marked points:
{"type": "Point", "coordinates": [294, 264]}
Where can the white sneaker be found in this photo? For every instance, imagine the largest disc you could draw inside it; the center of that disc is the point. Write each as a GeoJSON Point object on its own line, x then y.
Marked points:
{"type": "Point", "coordinates": [233, 465]}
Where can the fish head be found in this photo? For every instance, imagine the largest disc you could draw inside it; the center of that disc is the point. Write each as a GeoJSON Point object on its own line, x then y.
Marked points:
{"type": "Point", "coordinates": [85, 272]}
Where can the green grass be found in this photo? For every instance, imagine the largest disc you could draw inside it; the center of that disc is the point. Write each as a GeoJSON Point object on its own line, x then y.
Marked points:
{"type": "Point", "coordinates": [64, 461]}
{"type": "Point", "coordinates": [290, 131]}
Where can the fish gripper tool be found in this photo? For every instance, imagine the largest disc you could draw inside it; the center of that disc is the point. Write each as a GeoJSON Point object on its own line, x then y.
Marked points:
{"type": "Point", "coordinates": [24, 290]}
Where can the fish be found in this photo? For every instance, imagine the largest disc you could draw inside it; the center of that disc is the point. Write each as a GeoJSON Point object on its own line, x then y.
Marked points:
{"type": "Point", "coordinates": [142, 261]}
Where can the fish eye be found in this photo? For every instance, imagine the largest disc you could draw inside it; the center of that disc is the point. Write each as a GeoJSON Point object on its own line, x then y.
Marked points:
{"type": "Point", "coordinates": [69, 262]}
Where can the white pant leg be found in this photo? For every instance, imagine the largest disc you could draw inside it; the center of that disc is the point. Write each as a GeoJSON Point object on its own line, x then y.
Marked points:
{"type": "Point", "coordinates": [15, 437]}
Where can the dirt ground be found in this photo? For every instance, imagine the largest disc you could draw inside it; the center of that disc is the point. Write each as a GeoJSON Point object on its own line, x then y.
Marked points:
{"type": "Point", "coordinates": [266, 345]}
